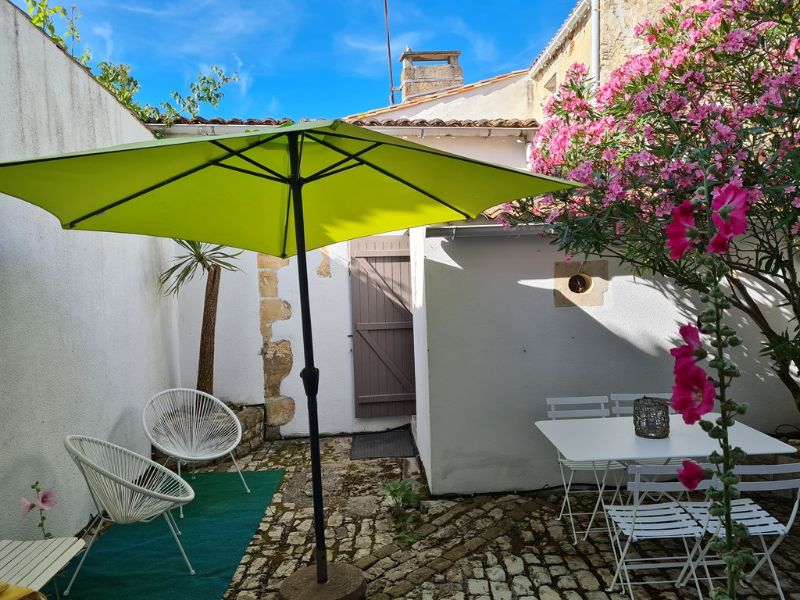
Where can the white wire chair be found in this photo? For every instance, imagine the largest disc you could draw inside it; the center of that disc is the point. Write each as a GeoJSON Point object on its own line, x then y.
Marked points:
{"type": "Point", "coordinates": [578, 408]}
{"type": "Point", "coordinates": [191, 427]}
{"type": "Point", "coordinates": [759, 522]}
{"type": "Point", "coordinates": [638, 521]}
{"type": "Point", "coordinates": [126, 488]}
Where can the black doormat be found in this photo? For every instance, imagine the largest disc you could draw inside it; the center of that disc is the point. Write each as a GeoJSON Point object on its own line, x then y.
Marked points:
{"type": "Point", "coordinates": [395, 443]}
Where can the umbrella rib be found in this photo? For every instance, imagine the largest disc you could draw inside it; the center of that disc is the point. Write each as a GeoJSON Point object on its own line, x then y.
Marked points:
{"type": "Point", "coordinates": [391, 176]}
{"type": "Point", "coordinates": [286, 223]}
{"type": "Point", "coordinates": [329, 170]}
{"type": "Point", "coordinates": [248, 172]}
{"type": "Point", "coordinates": [160, 184]}
{"type": "Point", "coordinates": [255, 163]}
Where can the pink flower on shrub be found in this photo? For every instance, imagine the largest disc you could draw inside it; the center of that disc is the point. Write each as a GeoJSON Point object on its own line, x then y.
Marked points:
{"type": "Point", "coordinates": [693, 393]}
{"type": "Point", "coordinates": [46, 499]}
{"type": "Point", "coordinates": [25, 506]}
{"type": "Point", "coordinates": [691, 474]}
{"type": "Point", "coordinates": [680, 232]}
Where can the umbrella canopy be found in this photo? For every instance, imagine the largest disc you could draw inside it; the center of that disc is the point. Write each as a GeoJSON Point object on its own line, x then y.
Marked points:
{"type": "Point", "coordinates": [280, 191]}
{"type": "Point", "coordinates": [233, 189]}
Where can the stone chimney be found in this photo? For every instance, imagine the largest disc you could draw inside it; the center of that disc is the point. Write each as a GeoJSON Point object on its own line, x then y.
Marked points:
{"type": "Point", "coordinates": [429, 72]}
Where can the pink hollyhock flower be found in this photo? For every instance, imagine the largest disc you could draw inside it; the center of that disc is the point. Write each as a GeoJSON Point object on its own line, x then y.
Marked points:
{"type": "Point", "coordinates": [719, 243]}
{"type": "Point", "coordinates": [691, 474]}
{"type": "Point", "coordinates": [46, 499]}
{"type": "Point", "coordinates": [25, 506]}
{"type": "Point", "coordinates": [693, 392]}
{"type": "Point", "coordinates": [680, 230]}
{"type": "Point", "coordinates": [684, 357]}
{"type": "Point", "coordinates": [729, 215]}
{"type": "Point", "coordinates": [730, 208]}
{"type": "Point", "coordinates": [690, 335]}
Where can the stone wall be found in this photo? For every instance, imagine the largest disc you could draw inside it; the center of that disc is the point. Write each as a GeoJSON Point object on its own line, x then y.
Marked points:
{"type": "Point", "coordinates": [618, 19]}
{"type": "Point", "coordinates": [278, 358]}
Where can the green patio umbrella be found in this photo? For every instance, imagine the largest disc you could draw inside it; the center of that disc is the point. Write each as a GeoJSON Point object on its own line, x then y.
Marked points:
{"type": "Point", "coordinates": [281, 191]}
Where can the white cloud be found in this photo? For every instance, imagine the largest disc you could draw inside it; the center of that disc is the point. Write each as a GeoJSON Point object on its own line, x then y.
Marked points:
{"type": "Point", "coordinates": [482, 47]}
{"type": "Point", "coordinates": [245, 78]}
{"type": "Point", "coordinates": [106, 33]}
{"type": "Point", "coordinates": [366, 55]}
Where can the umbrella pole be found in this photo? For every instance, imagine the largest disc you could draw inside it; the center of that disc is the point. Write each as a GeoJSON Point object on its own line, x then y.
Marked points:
{"type": "Point", "coordinates": [309, 374]}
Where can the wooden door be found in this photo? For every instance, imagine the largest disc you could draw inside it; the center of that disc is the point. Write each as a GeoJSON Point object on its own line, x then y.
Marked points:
{"type": "Point", "coordinates": [383, 337]}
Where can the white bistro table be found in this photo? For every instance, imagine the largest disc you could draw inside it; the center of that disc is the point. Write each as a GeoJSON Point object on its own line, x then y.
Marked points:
{"type": "Point", "coordinates": [613, 439]}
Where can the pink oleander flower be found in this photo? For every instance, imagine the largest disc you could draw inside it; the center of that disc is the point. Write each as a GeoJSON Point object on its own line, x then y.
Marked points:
{"type": "Point", "coordinates": [46, 499]}
{"type": "Point", "coordinates": [680, 231]}
{"type": "Point", "coordinates": [25, 506]}
{"type": "Point", "coordinates": [691, 474]}
{"type": "Point", "coordinates": [693, 393]}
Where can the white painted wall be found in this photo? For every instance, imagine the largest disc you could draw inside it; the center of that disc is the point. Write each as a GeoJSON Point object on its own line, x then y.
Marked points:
{"type": "Point", "coordinates": [422, 420]}
{"type": "Point", "coordinates": [85, 337]}
{"type": "Point", "coordinates": [497, 347]}
{"type": "Point", "coordinates": [506, 99]}
{"type": "Point", "coordinates": [238, 366]}
{"type": "Point", "coordinates": [332, 323]}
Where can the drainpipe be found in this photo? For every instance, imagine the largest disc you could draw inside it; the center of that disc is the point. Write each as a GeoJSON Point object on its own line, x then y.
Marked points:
{"type": "Point", "coordinates": [595, 68]}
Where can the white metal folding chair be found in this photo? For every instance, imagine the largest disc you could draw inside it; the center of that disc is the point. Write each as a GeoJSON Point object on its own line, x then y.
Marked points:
{"type": "Point", "coordinates": [126, 488]}
{"type": "Point", "coordinates": [759, 522]}
{"type": "Point", "coordinates": [582, 407]}
{"type": "Point", "coordinates": [639, 521]}
{"type": "Point", "coordinates": [191, 427]}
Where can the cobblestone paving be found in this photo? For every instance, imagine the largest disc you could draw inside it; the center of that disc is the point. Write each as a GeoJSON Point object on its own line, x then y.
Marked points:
{"type": "Point", "coordinates": [500, 547]}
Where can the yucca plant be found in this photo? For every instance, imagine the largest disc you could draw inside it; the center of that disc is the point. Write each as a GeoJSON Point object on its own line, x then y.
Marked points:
{"type": "Point", "coordinates": [212, 259]}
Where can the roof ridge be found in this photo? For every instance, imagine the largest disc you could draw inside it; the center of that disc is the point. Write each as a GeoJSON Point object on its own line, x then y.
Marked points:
{"type": "Point", "coordinates": [437, 95]}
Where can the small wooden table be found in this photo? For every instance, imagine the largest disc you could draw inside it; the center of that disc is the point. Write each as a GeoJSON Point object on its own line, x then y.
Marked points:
{"type": "Point", "coordinates": [32, 564]}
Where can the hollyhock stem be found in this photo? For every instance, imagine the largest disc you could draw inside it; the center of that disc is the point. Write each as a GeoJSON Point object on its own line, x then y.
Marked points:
{"type": "Point", "coordinates": [727, 466]}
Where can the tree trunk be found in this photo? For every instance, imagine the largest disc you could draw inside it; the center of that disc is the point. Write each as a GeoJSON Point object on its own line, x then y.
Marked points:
{"type": "Point", "coordinates": [205, 363]}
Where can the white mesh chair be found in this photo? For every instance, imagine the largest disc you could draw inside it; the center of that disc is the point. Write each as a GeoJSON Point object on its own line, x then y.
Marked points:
{"type": "Point", "coordinates": [639, 521]}
{"type": "Point", "coordinates": [126, 488]}
{"type": "Point", "coordinates": [759, 522]}
{"type": "Point", "coordinates": [192, 426]}
{"type": "Point", "coordinates": [580, 408]}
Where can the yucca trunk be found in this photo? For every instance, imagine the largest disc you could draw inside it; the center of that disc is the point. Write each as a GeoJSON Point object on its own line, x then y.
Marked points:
{"type": "Point", "coordinates": [205, 363]}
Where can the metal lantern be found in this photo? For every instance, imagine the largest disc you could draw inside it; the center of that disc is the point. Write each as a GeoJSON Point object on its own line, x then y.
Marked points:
{"type": "Point", "coordinates": [651, 417]}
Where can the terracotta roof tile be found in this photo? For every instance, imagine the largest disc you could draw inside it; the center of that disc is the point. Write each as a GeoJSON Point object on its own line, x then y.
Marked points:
{"type": "Point", "coordinates": [404, 122]}
{"type": "Point", "coordinates": [372, 122]}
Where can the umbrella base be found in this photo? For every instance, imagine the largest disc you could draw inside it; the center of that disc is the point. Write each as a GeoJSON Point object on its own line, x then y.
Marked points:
{"type": "Point", "coordinates": [345, 582]}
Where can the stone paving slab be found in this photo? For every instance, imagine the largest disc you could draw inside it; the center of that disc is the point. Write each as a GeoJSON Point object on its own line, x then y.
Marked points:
{"type": "Point", "coordinates": [488, 547]}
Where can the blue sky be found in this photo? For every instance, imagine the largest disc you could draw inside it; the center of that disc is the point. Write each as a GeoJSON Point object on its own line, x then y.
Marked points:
{"type": "Point", "coordinates": [307, 58]}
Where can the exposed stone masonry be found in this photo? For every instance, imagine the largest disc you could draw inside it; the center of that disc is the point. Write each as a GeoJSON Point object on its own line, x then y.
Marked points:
{"type": "Point", "coordinates": [277, 354]}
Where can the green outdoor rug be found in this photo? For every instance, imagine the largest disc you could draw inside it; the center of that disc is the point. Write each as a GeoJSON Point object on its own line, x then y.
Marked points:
{"type": "Point", "coordinates": [142, 561]}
